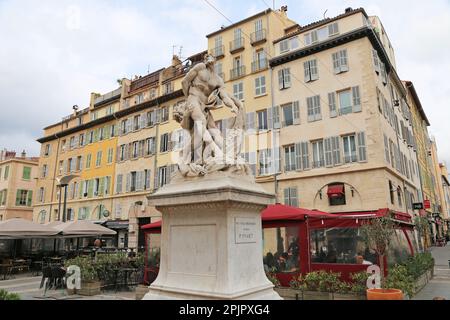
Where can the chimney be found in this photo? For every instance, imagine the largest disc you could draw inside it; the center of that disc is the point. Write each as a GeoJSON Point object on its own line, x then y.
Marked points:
{"type": "Point", "coordinates": [349, 9]}
{"type": "Point", "coordinates": [175, 61]}
{"type": "Point", "coordinates": [24, 154]}
{"type": "Point", "coordinates": [284, 9]}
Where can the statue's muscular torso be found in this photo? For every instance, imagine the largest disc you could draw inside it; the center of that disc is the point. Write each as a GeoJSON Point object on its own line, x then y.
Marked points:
{"type": "Point", "coordinates": [204, 83]}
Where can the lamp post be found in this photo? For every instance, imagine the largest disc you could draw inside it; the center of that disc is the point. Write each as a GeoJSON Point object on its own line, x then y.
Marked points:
{"type": "Point", "coordinates": [64, 182]}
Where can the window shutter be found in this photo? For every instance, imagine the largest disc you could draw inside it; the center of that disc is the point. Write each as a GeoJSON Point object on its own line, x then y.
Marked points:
{"type": "Point", "coordinates": [314, 37]}
{"type": "Point", "coordinates": [287, 78]}
{"type": "Point", "coordinates": [148, 179]}
{"type": "Point", "coordinates": [277, 159]}
{"type": "Point", "coordinates": [332, 104]}
{"type": "Point", "coordinates": [298, 156]}
{"type": "Point", "coordinates": [335, 146]}
{"type": "Point", "coordinates": [65, 166]}
{"type": "Point", "coordinates": [328, 152]}
{"type": "Point", "coordinates": [276, 117]}
{"type": "Point", "coordinates": [296, 112]}
{"type": "Point", "coordinates": [314, 70]}
{"type": "Point", "coordinates": [336, 63]}
{"type": "Point", "coordinates": [344, 61]}
{"type": "Point", "coordinates": [293, 197]}
{"type": "Point", "coordinates": [17, 197]}
{"type": "Point", "coordinates": [101, 188]}
{"type": "Point", "coordinates": [307, 71]}
{"type": "Point", "coordinates": [90, 189]}
{"type": "Point", "coordinates": [305, 155]}
{"type": "Point", "coordinates": [29, 198]}
{"type": "Point", "coordinates": [362, 146]}
{"type": "Point", "coordinates": [376, 62]}
{"type": "Point", "coordinates": [317, 108]}
{"type": "Point", "coordinates": [356, 99]}
{"type": "Point", "coordinates": [250, 120]}
{"type": "Point", "coordinates": [270, 118]}
{"type": "Point", "coordinates": [143, 121]}
{"type": "Point", "coordinates": [286, 196]}
{"type": "Point", "coordinates": [156, 181]}
{"type": "Point", "coordinates": [310, 109]}
{"type": "Point", "coordinates": [128, 183]}
{"type": "Point", "coordinates": [280, 79]}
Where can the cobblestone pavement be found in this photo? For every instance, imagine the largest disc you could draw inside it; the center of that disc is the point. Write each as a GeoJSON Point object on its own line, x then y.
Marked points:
{"type": "Point", "coordinates": [28, 289]}
{"type": "Point", "coordinates": [439, 286]}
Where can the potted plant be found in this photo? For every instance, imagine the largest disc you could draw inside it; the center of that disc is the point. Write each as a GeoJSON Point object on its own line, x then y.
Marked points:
{"type": "Point", "coordinates": [378, 233]}
{"type": "Point", "coordinates": [90, 284]}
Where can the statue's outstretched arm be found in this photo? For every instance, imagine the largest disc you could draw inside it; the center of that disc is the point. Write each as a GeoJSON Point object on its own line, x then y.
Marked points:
{"type": "Point", "coordinates": [187, 81]}
{"type": "Point", "coordinates": [231, 102]}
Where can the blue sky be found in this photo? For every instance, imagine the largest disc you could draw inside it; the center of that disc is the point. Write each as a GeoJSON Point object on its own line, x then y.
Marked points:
{"type": "Point", "coordinates": [54, 53]}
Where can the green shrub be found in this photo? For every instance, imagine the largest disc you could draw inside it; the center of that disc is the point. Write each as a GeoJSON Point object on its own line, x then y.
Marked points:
{"type": "Point", "coordinates": [5, 295]}
{"type": "Point", "coordinates": [273, 278]}
{"type": "Point", "coordinates": [419, 264]}
{"type": "Point", "coordinates": [359, 282]}
{"type": "Point", "coordinates": [321, 280]}
{"type": "Point", "coordinates": [399, 278]}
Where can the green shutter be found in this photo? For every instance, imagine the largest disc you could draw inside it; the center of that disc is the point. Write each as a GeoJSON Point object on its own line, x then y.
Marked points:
{"type": "Point", "coordinates": [18, 197]}
{"type": "Point", "coordinates": [107, 134]}
{"type": "Point", "coordinates": [81, 189]}
{"type": "Point", "coordinates": [96, 134]}
{"type": "Point", "coordinates": [101, 188]}
{"type": "Point", "coordinates": [90, 188]}
{"type": "Point", "coordinates": [26, 173]}
{"type": "Point", "coordinates": [30, 198]}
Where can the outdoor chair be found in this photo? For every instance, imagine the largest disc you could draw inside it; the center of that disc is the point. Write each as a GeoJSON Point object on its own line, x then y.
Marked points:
{"type": "Point", "coordinates": [46, 275]}
{"type": "Point", "coordinates": [58, 276]}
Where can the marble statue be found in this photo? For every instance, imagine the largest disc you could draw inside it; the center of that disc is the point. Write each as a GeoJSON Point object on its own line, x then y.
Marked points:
{"type": "Point", "coordinates": [205, 150]}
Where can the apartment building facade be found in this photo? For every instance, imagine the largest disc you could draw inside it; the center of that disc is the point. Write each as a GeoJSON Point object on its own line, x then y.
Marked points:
{"type": "Point", "coordinates": [17, 185]}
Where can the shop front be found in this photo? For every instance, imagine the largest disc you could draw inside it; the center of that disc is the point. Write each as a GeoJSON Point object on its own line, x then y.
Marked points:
{"type": "Point", "coordinates": [297, 241]}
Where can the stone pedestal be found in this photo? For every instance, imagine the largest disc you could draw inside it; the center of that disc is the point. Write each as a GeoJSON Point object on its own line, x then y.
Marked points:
{"type": "Point", "coordinates": [211, 246]}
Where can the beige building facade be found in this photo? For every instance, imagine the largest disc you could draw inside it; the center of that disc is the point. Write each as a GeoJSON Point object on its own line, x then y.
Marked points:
{"type": "Point", "coordinates": [17, 185]}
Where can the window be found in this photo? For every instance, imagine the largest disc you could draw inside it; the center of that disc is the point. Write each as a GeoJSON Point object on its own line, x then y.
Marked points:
{"type": "Point", "coordinates": [123, 126]}
{"type": "Point", "coordinates": [349, 149]}
{"type": "Point", "coordinates": [88, 161]}
{"type": "Point", "coordinates": [44, 171]}
{"type": "Point", "coordinates": [150, 146]}
{"type": "Point", "coordinates": [259, 60]}
{"type": "Point", "coordinates": [63, 145]}
{"type": "Point", "coordinates": [262, 119]}
{"type": "Point", "coordinates": [164, 145]}
{"type": "Point", "coordinates": [61, 167]}
{"type": "Point", "coordinates": [135, 149]}
{"type": "Point", "coordinates": [152, 93]}
{"type": "Point", "coordinates": [168, 88]}
{"type": "Point", "coordinates": [284, 46]}
{"type": "Point", "coordinates": [72, 142]}
{"type": "Point", "coordinates": [399, 196]}
{"type": "Point", "coordinates": [110, 155]}
{"type": "Point", "coordinates": [26, 173]}
{"type": "Point", "coordinates": [284, 78]}
{"type": "Point", "coordinates": [79, 165]}
{"type": "Point", "coordinates": [81, 140]}
{"type": "Point", "coordinates": [85, 188]}
{"type": "Point", "coordinates": [101, 133]}
{"type": "Point", "coordinates": [281, 249]}
{"type": "Point", "coordinates": [47, 150]}
{"type": "Point", "coordinates": [345, 102]}
{"type": "Point", "coordinates": [112, 133]}
{"type": "Point", "coordinates": [289, 158]}
{"type": "Point", "coordinates": [336, 194]}
{"type": "Point", "coordinates": [333, 29]}
{"type": "Point", "coordinates": [318, 154]}
{"type": "Point", "coordinates": [340, 245]}
{"type": "Point", "coordinates": [164, 114]}
{"type": "Point", "coordinates": [98, 161]}
{"type": "Point", "coordinates": [218, 69]}
{"type": "Point", "coordinates": [162, 176]}
{"type": "Point", "coordinates": [265, 161]}
{"type": "Point", "coordinates": [288, 116]}
{"type": "Point", "coordinates": [70, 214]}
{"type": "Point", "coordinates": [107, 182]}
{"type": "Point", "coordinates": [391, 191]}
{"type": "Point", "coordinates": [290, 197]}
{"type": "Point", "coordinates": [96, 187]}
{"type": "Point", "coordinates": [41, 195]}
{"type": "Point", "coordinates": [399, 250]}
{"type": "Point", "coordinates": [3, 195]}
{"type": "Point", "coordinates": [238, 90]}
{"type": "Point", "coordinates": [119, 183]}
{"type": "Point", "coordinates": [310, 70]}
{"type": "Point", "coordinates": [110, 110]}
{"type": "Point", "coordinates": [24, 198]}
{"type": "Point", "coordinates": [260, 86]}
{"type": "Point", "coordinates": [94, 115]}
{"type": "Point", "coordinates": [136, 122]}
{"type": "Point", "coordinates": [314, 110]}
{"type": "Point", "coordinates": [6, 173]}
{"type": "Point", "coordinates": [362, 152]}
{"type": "Point", "coordinates": [340, 63]}
{"type": "Point", "coordinates": [83, 213]}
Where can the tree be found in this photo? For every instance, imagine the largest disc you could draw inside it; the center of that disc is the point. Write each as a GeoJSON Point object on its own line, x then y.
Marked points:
{"type": "Point", "coordinates": [378, 234]}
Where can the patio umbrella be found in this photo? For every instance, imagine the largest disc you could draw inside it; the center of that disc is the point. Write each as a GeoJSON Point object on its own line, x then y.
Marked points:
{"type": "Point", "coordinates": [83, 228]}
{"type": "Point", "coordinates": [24, 229]}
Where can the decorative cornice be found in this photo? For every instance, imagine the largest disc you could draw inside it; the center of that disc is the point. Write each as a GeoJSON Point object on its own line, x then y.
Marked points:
{"type": "Point", "coordinates": [211, 206]}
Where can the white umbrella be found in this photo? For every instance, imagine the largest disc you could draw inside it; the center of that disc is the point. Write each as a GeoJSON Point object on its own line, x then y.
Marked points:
{"type": "Point", "coordinates": [22, 229]}
{"type": "Point", "coordinates": [83, 228]}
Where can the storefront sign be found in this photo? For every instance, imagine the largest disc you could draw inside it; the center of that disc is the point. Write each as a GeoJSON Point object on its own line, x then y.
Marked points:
{"type": "Point", "coordinates": [245, 230]}
{"type": "Point", "coordinates": [427, 204]}
{"type": "Point", "coordinates": [417, 205]}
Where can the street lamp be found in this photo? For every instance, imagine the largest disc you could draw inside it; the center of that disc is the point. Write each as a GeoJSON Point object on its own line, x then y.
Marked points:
{"type": "Point", "coordinates": [64, 182]}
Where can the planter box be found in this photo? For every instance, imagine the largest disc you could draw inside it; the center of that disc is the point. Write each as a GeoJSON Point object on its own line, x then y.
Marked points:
{"type": "Point", "coordinates": [423, 280]}
{"type": "Point", "coordinates": [90, 288]}
{"type": "Point", "coordinates": [317, 295]}
{"type": "Point", "coordinates": [349, 296]}
{"type": "Point", "coordinates": [141, 290]}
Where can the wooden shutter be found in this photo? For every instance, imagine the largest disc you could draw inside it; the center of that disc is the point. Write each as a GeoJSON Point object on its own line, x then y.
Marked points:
{"type": "Point", "coordinates": [293, 197]}
{"type": "Point", "coordinates": [305, 155]}
{"type": "Point", "coordinates": [362, 146]}
{"type": "Point", "coordinates": [335, 146]}
{"type": "Point", "coordinates": [313, 70]}
{"type": "Point", "coordinates": [298, 156]}
{"type": "Point", "coordinates": [156, 180]}
{"type": "Point", "coordinates": [287, 78]}
{"type": "Point", "coordinates": [270, 118]}
{"type": "Point", "coordinates": [286, 196]}
{"type": "Point", "coordinates": [376, 62]}
{"type": "Point", "coordinates": [307, 72]}
{"type": "Point", "coordinates": [317, 108]}
{"type": "Point", "coordinates": [356, 99]}
{"type": "Point", "coordinates": [328, 152]}
{"type": "Point", "coordinates": [276, 117]}
{"type": "Point", "coordinates": [310, 108]}
{"type": "Point", "coordinates": [314, 37]}
{"type": "Point", "coordinates": [332, 104]}
{"type": "Point", "coordinates": [277, 159]}
{"type": "Point", "coordinates": [280, 79]}
{"type": "Point", "coordinates": [101, 188]}
{"type": "Point", "coordinates": [344, 60]}
{"type": "Point", "coordinates": [296, 109]}
{"type": "Point", "coordinates": [128, 183]}
{"type": "Point", "coordinates": [336, 63]}
{"type": "Point", "coordinates": [29, 198]}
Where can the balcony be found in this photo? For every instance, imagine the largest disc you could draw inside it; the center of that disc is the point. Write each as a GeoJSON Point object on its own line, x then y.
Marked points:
{"type": "Point", "coordinates": [237, 73]}
{"type": "Point", "coordinates": [237, 45]}
{"type": "Point", "coordinates": [259, 65]}
{"type": "Point", "coordinates": [218, 52]}
{"type": "Point", "coordinates": [258, 37]}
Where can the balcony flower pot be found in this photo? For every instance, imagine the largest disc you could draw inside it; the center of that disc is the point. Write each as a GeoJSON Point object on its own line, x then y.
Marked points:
{"type": "Point", "coordinates": [384, 294]}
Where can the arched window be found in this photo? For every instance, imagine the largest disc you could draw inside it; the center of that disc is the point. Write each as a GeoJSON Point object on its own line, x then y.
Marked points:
{"type": "Point", "coordinates": [41, 216]}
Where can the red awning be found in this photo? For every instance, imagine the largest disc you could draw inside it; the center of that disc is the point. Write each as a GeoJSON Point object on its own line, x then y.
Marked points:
{"type": "Point", "coordinates": [154, 225]}
{"type": "Point", "coordinates": [335, 190]}
{"type": "Point", "coordinates": [282, 212]}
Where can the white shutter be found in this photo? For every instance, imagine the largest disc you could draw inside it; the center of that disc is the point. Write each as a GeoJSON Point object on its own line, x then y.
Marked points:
{"type": "Point", "coordinates": [336, 63]}
{"type": "Point", "coordinates": [305, 155]}
{"type": "Point", "coordinates": [128, 184]}
{"type": "Point", "coordinates": [332, 104]}
{"type": "Point", "coordinates": [307, 72]}
{"type": "Point", "coordinates": [356, 99]}
{"type": "Point", "coordinates": [344, 60]}
{"type": "Point", "coordinates": [270, 118]}
{"type": "Point", "coordinates": [362, 147]}
{"type": "Point", "coordinates": [296, 112]}
{"type": "Point", "coordinates": [276, 117]}
{"type": "Point", "coordinates": [328, 152]}
{"type": "Point", "coordinates": [286, 196]}
{"type": "Point", "coordinates": [335, 146]}
{"type": "Point", "coordinates": [287, 78]}
{"type": "Point", "coordinates": [314, 70]}
{"type": "Point", "coordinates": [156, 180]}
{"type": "Point", "coordinates": [280, 79]}
{"type": "Point", "coordinates": [310, 108]}
{"type": "Point", "coordinates": [298, 156]}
